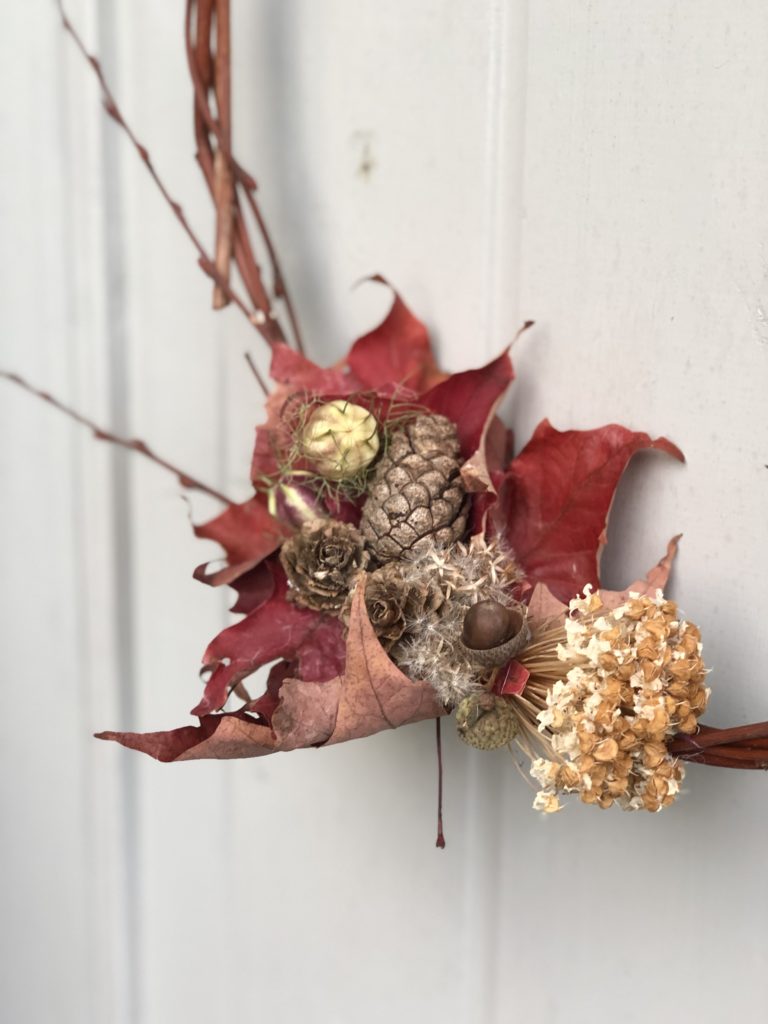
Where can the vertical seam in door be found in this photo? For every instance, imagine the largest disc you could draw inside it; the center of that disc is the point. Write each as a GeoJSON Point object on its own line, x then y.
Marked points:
{"type": "Point", "coordinates": [122, 556]}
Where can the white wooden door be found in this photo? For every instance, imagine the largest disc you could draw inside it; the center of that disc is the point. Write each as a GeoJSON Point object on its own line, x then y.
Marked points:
{"type": "Point", "coordinates": [596, 165]}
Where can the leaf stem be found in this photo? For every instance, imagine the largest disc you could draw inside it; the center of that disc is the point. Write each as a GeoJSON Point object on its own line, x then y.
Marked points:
{"type": "Point", "coordinates": [440, 842]}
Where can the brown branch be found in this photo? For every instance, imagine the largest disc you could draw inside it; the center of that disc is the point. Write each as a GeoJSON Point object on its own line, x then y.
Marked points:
{"type": "Point", "coordinates": [201, 65]}
{"type": "Point", "coordinates": [256, 318]}
{"type": "Point", "coordinates": [223, 186]}
{"type": "Point", "coordinates": [133, 444]}
{"type": "Point", "coordinates": [209, 129]}
{"type": "Point", "coordinates": [745, 746]}
{"type": "Point", "coordinates": [254, 368]}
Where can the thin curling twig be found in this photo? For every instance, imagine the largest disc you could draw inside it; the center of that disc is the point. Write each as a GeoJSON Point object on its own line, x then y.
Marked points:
{"type": "Point", "coordinates": [213, 136]}
{"type": "Point", "coordinates": [257, 318]}
{"type": "Point", "coordinates": [132, 444]}
{"type": "Point", "coordinates": [254, 369]}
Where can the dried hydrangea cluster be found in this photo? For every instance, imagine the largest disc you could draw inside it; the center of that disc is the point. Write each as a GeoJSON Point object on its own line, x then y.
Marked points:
{"type": "Point", "coordinates": [635, 678]}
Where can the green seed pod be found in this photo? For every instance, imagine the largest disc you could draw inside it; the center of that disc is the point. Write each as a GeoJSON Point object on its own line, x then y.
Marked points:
{"type": "Point", "coordinates": [340, 439]}
{"type": "Point", "coordinates": [486, 721]}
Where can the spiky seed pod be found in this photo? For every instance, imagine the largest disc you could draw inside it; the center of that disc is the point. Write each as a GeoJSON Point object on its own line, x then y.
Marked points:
{"type": "Point", "coordinates": [321, 561]}
{"type": "Point", "coordinates": [416, 496]}
{"type": "Point", "coordinates": [486, 721]}
{"type": "Point", "coordinates": [340, 439]}
{"type": "Point", "coordinates": [395, 603]}
{"type": "Point", "coordinates": [493, 633]}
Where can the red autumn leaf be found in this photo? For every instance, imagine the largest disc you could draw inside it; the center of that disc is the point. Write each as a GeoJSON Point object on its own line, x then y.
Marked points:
{"type": "Point", "coordinates": [483, 472]}
{"type": "Point", "coordinates": [470, 399]}
{"type": "Point", "coordinates": [371, 695]}
{"type": "Point", "coordinates": [655, 579]}
{"type": "Point", "coordinates": [375, 694]}
{"type": "Point", "coordinates": [555, 499]}
{"type": "Point", "coordinates": [543, 605]}
{"type": "Point", "coordinates": [291, 368]}
{"type": "Point", "coordinates": [306, 713]}
{"type": "Point", "coordinates": [266, 705]}
{"type": "Point", "coordinates": [277, 629]}
{"type": "Point", "coordinates": [221, 737]}
{"type": "Point", "coordinates": [253, 588]}
{"type": "Point", "coordinates": [397, 352]}
{"type": "Point", "coordinates": [248, 534]}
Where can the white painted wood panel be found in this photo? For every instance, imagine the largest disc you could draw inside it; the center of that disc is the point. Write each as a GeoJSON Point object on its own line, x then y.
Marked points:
{"type": "Point", "coordinates": [597, 166]}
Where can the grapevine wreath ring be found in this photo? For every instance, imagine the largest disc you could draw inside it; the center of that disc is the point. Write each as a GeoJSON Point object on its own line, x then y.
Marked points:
{"type": "Point", "coordinates": [397, 563]}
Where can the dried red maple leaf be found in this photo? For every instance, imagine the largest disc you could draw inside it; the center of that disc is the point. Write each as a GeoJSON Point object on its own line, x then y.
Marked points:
{"type": "Point", "coordinates": [248, 534]}
{"type": "Point", "coordinates": [655, 579]}
{"type": "Point", "coordinates": [298, 373]}
{"type": "Point", "coordinates": [277, 629]}
{"type": "Point", "coordinates": [370, 695]}
{"type": "Point", "coordinates": [375, 694]}
{"type": "Point", "coordinates": [555, 498]}
{"type": "Point", "coordinates": [397, 352]}
{"type": "Point", "coordinates": [544, 606]}
{"type": "Point", "coordinates": [470, 399]}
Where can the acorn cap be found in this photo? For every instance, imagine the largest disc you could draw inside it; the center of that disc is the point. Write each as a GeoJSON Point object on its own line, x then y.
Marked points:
{"type": "Point", "coordinates": [493, 633]}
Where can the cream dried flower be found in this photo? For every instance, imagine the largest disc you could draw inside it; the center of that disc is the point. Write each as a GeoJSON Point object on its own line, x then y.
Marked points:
{"type": "Point", "coordinates": [634, 678]}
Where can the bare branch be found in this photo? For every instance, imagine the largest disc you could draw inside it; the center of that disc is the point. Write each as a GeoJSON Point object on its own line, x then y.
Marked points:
{"type": "Point", "coordinates": [209, 129]}
{"type": "Point", "coordinates": [223, 186]}
{"type": "Point", "coordinates": [133, 444]}
{"type": "Point", "coordinates": [254, 368]}
{"type": "Point", "coordinates": [257, 317]}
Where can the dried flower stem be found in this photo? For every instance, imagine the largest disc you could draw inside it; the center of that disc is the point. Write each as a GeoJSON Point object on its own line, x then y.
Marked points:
{"type": "Point", "coordinates": [257, 318]}
{"type": "Point", "coordinates": [133, 444]}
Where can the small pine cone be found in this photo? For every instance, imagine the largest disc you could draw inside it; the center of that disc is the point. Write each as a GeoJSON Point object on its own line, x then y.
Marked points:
{"type": "Point", "coordinates": [486, 721]}
{"type": "Point", "coordinates": [395, 603]}
{"type": "Point", "coordinates": [416, 495]}
{"type": "Point", "coordinates": [321, 562]}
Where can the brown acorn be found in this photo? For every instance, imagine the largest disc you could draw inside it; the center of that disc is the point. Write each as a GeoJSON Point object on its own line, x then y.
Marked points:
{"type": "Point", "coordinates": [493, 633]}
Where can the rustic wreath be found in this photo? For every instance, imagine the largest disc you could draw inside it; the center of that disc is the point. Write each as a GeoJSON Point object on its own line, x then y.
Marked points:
{"type": "Point", "coordinates": [396, 562]}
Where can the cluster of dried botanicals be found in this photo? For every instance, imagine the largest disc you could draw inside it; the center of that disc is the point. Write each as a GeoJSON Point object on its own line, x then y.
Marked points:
{"type": "Point", "coordinates": [635, 678]}
{"type": "Point", "coordinates": [421, 579]}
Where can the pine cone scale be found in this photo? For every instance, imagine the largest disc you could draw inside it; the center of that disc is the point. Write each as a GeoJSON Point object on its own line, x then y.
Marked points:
{"type": "Point", "coordinates": [416, 495]}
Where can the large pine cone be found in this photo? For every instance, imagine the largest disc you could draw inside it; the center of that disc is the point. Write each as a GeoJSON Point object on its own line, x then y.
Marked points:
{"type": "Point", "coordinates": [416, 495]}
